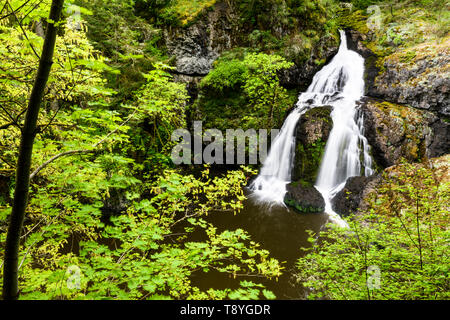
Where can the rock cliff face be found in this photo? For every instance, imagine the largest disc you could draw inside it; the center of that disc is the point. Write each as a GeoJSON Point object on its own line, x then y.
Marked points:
{"type": "Point", "coordinates": [195, 47]}
{"type": "Point", "coordinates": [395, 131]}
{"type": "Point", "coordinates": [419, 77]}
{"type": "Point", "coordinates": [409, 115]}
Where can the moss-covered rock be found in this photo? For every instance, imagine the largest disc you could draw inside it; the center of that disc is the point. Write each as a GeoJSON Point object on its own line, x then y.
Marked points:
{"type": "Point", "coordinates": [358, 192]}
{"type": "Point", "coordinates": [406, 54]}
{"type": "Point", "coordinates": [312, 133]}
{"type": "Point", "coordinates": [304, 198]}
{"type": "Point", "coordinates": [418, 76]}
{"type": "Point", "coordinates": [195, 47]}
{"type": "Point", "coordinates": [395, 131]}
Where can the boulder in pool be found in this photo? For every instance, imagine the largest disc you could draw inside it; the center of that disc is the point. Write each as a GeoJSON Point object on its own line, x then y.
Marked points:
{"type": "Point", "coordinates": [304, 198]}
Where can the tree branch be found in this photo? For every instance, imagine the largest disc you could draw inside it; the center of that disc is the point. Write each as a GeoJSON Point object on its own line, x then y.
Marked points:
{"type": "Point", "coordinates": [13, 11]}
{"type": "Point", "coordinates": [23, 31]}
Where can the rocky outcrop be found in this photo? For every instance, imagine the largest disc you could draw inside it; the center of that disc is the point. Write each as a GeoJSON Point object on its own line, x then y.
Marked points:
{"type": "Point", "coordinates": [395, 131]}
{"type": "Point", "coordinates": [196, 46]}
{"type": "Point", "coordinates": [311, 133]}
{"type": "Point", "coordinates": [410, 119]}
{"type": "Point", "coordinates": [304, 198]}
{"type": "Point", "coordinates": [359, 192]}
{"type": "Point", "coordinates": [417, 76]}
{"type": "Point", "coordinates": [351, 197]}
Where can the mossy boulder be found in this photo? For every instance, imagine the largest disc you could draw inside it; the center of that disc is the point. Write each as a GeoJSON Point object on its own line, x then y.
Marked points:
{"type": "Point", "coordinates": [396, 131]}
{"type": "Point", "coordinates": [304, 198]}
{"type": "Point", "coordinates": [312, 133]}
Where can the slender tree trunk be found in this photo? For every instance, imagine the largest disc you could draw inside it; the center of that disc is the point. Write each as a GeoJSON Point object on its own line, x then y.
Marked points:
{"type": "Point", "coordinates": [10, 272]}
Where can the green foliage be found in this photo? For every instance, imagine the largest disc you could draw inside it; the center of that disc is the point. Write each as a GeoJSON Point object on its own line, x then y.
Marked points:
{"type": "Point", "coordinates": [75, 82]}
{"type": "Point", "coordinates": [138, 255]}
{"type": "Point", "coordinates": [161, 101]}
{"type": "Point", "coordinates": [172, 12]}
{"type": "Point", "coordinates": [131, 44]}
{"type": "Point", "coordinates": [265, 40]}
{"type": "Point", "coordinates": [158, 109]}
{"type": "Point", "coordinates": [403, 233]}
{"type": "Point", "coordinates": [99, 225]}
{"type": "Point", "coordinates": [262, 87]}
{"type": "Point", "coordinates": [115, 29]}
{"type": "Point", "coordinates": [225, 75]}
{"type": "Point", "coordinates": [250, 87]}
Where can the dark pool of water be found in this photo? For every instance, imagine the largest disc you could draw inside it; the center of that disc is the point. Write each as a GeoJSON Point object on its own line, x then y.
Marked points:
{"type": "Point", "coordinates": [280, 230]}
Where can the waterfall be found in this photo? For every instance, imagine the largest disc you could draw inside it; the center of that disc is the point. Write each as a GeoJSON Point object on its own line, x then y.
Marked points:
{"type": "Point", "coordinates": [339, 84]}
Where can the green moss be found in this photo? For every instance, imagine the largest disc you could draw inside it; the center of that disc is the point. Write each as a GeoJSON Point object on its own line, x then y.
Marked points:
{"type": "Point", "coordinates": [310, 148]}
{"type": "Point", "coordinates": [356, 20]}
{"type": "Point", "coordinates": [184, 13]}
{"type": "Point", "coordinates": [299, 208]}
{"type": "Point", "coordinates": [310, 157]}
{"type": "Point", "coordinates": [408, 56]}
{"type": "Point", "coordinates": [303, 183]}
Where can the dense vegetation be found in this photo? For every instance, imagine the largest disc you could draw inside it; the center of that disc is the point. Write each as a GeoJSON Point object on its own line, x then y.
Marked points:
{"type": "Point", "coordinates": [109, 216]}
{"type": "Point", "coordinates": [402, 235]}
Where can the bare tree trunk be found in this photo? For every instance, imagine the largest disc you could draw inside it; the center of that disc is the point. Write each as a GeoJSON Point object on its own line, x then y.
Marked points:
{"type": "Point", "coordinates": [10, 272]}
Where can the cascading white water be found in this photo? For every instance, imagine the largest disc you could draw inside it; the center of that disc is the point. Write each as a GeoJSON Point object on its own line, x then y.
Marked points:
{"type": "Point", "coordinates": [339, 84]}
